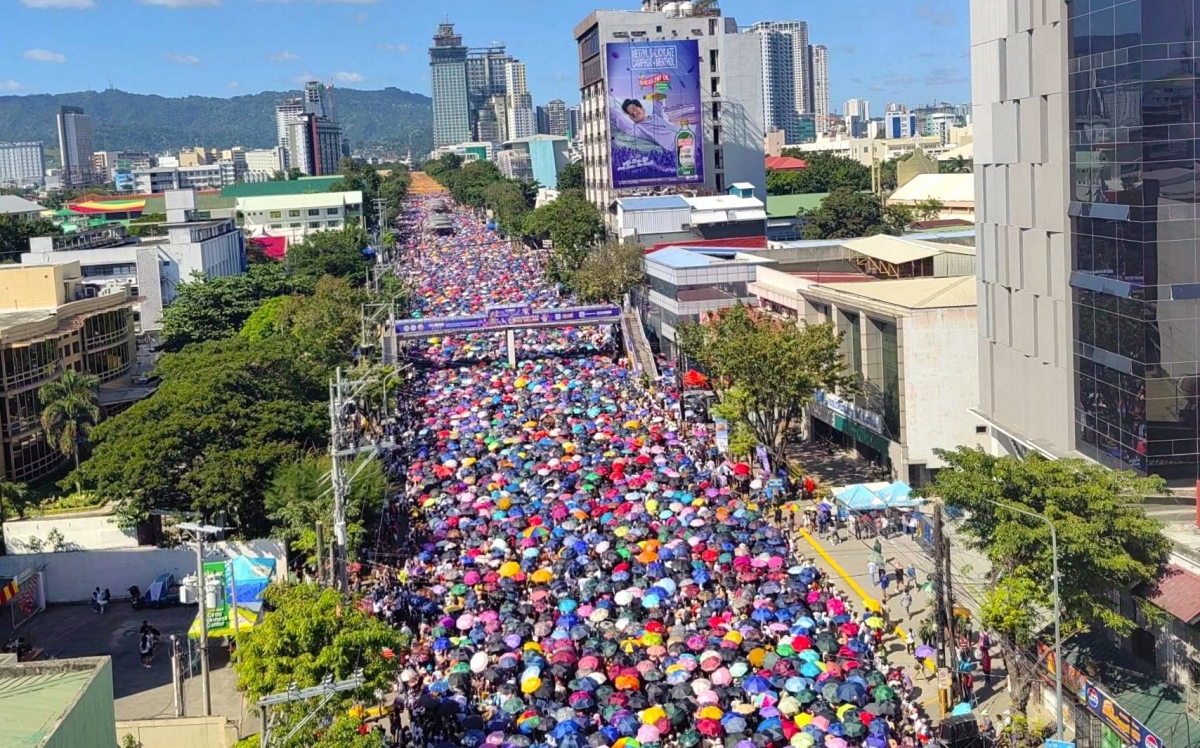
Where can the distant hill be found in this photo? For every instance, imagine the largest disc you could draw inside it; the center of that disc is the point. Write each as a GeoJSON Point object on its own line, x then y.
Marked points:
{"type": "Point", "coordinates": [127, 121]}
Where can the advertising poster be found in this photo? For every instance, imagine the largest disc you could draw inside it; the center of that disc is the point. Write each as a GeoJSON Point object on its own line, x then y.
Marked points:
{"type": "Point", "coordinates": [654, 113]}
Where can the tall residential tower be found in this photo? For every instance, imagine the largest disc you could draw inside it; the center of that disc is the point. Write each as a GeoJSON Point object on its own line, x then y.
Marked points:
{"type": "Point", "coordinates": [820, 87]}
{"type": "Point", "coordinates": [448, 78]}
{"type": "Point", "coordinates": [75, 147]}
{"type": "Point", "coordinates": [787, 74]}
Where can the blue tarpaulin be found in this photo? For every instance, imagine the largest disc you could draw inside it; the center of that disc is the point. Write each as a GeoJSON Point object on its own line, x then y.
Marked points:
{"type": "Point", "coordinates": [898, 495]}
{"type": "Point", "coordinates": [859, 498]}
{"type": "Point", "coordinates": [251, 576]}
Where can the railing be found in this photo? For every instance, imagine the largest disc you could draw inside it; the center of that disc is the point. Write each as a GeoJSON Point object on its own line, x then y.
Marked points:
{"type": "Point", "coordinates": [30, 376]}
{"type": "Point", "coordinates": [20, 425]}
{"type": "Point", "coordinates": [103, 341]}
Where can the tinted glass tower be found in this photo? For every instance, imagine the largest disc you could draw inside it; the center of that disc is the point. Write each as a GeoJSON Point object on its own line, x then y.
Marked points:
{"type": "Point", "coordinates": [1135, 271]}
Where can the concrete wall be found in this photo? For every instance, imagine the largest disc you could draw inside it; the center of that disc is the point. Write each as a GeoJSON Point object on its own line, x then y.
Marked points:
{"type": "Point", "coordinates": [89, 533]}
{"type": "Point", "coordinates": [940, 381]}
{"type": "Point", "coordinates": [71, 576]}
{"type": "Point", "coordinates": [1018, 84]}
{"type": "Point", "coordinates": [183, 732]}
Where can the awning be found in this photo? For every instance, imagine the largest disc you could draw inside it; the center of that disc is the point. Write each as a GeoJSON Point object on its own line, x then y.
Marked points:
{"type": "Point", "coordinates": [1178, 593]}
{"type": "Point", "coordinates": [220, 626]}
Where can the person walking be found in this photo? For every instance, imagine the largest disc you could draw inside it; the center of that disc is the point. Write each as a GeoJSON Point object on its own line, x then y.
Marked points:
{"type": "Point", "coordinates": [906, 602]}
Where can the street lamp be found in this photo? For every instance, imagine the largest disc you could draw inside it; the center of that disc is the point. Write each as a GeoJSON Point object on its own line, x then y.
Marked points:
{"type": "Point", "coordinates": [199, 531]}
{"type": "Point", "coordinates": [1058, 661]}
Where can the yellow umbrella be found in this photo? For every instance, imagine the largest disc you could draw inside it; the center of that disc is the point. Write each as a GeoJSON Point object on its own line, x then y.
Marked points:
{"type": "Point", "coordinates": [653, 714]}
{"type": "Point", "coordinates": [510, 569]}
{"type": "Point", "coordinates": [530, 685]}
{"type": "Point", "coordinates": [541, 576]}
{"type": "Point", "coordinates": [874, 622]}
{"type": "Point", "coordinates": [734, 636]}
{"type": "Point", "coordinates": [711, 712]}
{"type": "Point", "coordinates": [756, 656]}
{"type": "Point", "coordinates": [802, 719]}
{"type": "Point", "coordinates": [841, 712]}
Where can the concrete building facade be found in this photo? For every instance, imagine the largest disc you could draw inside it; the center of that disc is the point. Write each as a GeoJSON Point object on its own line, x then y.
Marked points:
{"type": "Point", "coordinates": [820, 87]}
{"type": "Point", "coordinates": [787, 86]}
{"type": "Point", "coordinates": [297, 216]}
{"type": "Point", "coordinates": [75, 147]}
{"type": "Point", "coordinates": [552, 118]}
{"type": "Point", "coordinates": [22, 164]}
{"type": "Point", "coordinates": [448, 81]}
{"type": "Point", "coordinates": [731, 94]}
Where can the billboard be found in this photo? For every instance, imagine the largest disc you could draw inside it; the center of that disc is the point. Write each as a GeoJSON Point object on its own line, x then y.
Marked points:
{"type": "Point", "coordinates": [654, 113]}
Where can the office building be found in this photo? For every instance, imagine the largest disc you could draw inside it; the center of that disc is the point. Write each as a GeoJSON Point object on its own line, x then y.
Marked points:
{"type": "Point", "coordinates": [314, 145]}
{"type": "Point", "coordinates": [899, 125]}
{"type": "Point", "coordinates": [487, 77]}
{"type": "Point", "coordinates": [787, 86]}
{"type": "Point", "coordinates": [820, 72]}
{"type": "Point", "coordinates": [539, 158]}
{"type": "Point", "coordinates": [159, 179]}
{"type": "Point", "coordinates": [107, 163]}
{"type": "Point", "coordinates": [297, 215]}
{"type": "Point", "coordinates": [261, 164]}
{"type": "Point", "coordinates": [286, 113]}
{"type": "Point", "coordinates": [521, 120]}
{"type": "Point", "coordinates": [152, 269]}
{"type": "Point", "coordinates": [61, 703]}
{"type": "Point", "coordinates": [492, 120]}
{"type": "Point", "coordinates": [552, 118]}
{"type": "Point", "coordinates": [75, 147]}
{"type": "Point", "coordinates": [22, 164]}
{"type": "Point", "coordinates": [52, 321]}
{"type": "Point", "coordinates": [318, 99]}
{"type": "Point", "coordinates": [860, 108]}
{"type": "Point", "coordinates": [574, 122]}
{"type": "Point", "coordinates": [730, 87]}
{"type": "Point", "coordinates": [448, 80]}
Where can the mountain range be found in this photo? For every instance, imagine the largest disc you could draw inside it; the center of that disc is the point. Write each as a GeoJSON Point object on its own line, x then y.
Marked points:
{"type": "Point", "coordinates": [143, 122]}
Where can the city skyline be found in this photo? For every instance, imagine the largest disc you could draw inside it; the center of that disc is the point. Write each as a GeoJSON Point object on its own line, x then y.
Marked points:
{"type": "Point", "coordinates": [345, 44]}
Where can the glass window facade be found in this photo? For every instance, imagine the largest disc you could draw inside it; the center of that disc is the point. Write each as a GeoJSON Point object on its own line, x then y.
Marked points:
{"type": "Point", "coordinates": [1136, 279]}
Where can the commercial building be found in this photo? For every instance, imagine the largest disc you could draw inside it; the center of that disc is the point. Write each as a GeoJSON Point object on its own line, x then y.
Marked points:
{"type": "Point", "coordinates": [153, 268]}
{"type": "Point", "coordinates": [656, 220]}
{"type": "Point", "coordinates": [58, 703]}
{"type": "Point", "coordinates": [296, 216]}
{"type": "Point", "coordinates": [820, 69]}
{"type": "Point", "coordinates": [955, 192]}
{"type": "Point", "coordinates": [75, 147]}
{"type": "Point", "coordinates": [11, 205]}
{"type": "Point", "coordinates": [514, 163]}
{"type": "Point", "coordinates": [552, 119]}
{"type": "Point", "coordinates": [314, 145]}
{"type": "Point", "coordinates": [900, 125]}
{"type": "Point", "coordinates": [574, 122]}
{"type": "Point", "coordinates": [543, 155]}
{"type": "Point", "coordinates": [52, 320]}
{"type": "Point", "coordinates": [448, 80]}
{"type": "Point", "coordinates": [869, 149]}
{"type": "Point", "coordinates": [286, 112]}
{"type": "Point", "coordinates": [910, 342]}
{"type": "Point", "coordinates": [787, 81]}
{"type": "Point", "coordinates": [262, 164]}
{"type": "Point", "coordinates": [727, 83]}
{"type": "Point", "coordinates": [22, 164]}
{"type": "Point", "coordinates": [159, 179]}
{"type": "Point", "coordinates": [860, 108]}
{"type": "Point", "coordinates": [470, 151]}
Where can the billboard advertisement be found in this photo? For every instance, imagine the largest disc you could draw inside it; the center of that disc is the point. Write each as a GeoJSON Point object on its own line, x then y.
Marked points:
{"type": "Point", "coordinates": [654, 112]}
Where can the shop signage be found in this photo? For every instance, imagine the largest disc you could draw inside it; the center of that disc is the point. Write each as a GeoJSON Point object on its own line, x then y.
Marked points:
{"type": "Point", "coordinates": [509, 317]}
{"type": "Point", "coordinates": [843, 407]}
{"type": "Point", "coordinates": [1131, 732]}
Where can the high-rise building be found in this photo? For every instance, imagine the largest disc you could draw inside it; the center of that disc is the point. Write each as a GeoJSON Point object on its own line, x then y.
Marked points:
{"type": "Point", "coordinates": [787, 87]}
{"type": "Point", "coordinates": [317, 99]}
{"type": "Point", "coordinates": [820, 88]}
{"type": "Point", "coordinates": [448, 79]}
{"type": "Point", "coordinates": [286, 113]}
{"type": "Point", "coordinates": [900, 125]}
{"type": "Point", "coordinates": [22, 164]}
{"type": "Point", "coordinates": [487, 76]}
{"type": "Point", "coordinates": [314, 145]}
{"type": "Point", "coordinates": [522, 122]}
{"type": "Point", "coordinates": [574, 122]}
{"type": "Point", "coordinates": [729, 135]}
{"type": "Point", "coordinates": [75, 147]}
{"type": "Point", "coordinates": [860, 108]}
{"type": "Point", "coordinates": [552, 118]}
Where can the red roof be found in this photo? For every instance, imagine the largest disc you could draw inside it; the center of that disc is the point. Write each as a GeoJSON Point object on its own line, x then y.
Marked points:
{"type": "Point", "coordinates": [785, 163]}
{"type": "Point", "coordinates": [274, 247]}
{"type": "Point", "coordinates": [1178, 593]}
{"type": "Point", "coordinates": [742, 242]}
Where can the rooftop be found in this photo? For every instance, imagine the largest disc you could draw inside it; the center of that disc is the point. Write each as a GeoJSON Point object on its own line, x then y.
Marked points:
{"type": "Point", "coordinates": [1178, 593]}
{"type": "Point", "coordinates": [785, 163]}
{"type": "Point", "coordinates": [664, 202]}
{"type": "Point", "coordinates": [913, 293]}
{"type": "Point", "coordinates": [899, 250]}
{"type": "Point", "coordinates": [300, 186]}
{"type": "Point", "coordinates": [35, 697]}
{"type": "Point", "coordinates": [786, 206]}
{"type": "Point", "coordinates": [681, 257]}
{"type": "Point", "coordinates": [947, 188]}
{"type": "Point", "coordinates": [293, 200]}
{"type": "Point", "coordinates": [14, 204]}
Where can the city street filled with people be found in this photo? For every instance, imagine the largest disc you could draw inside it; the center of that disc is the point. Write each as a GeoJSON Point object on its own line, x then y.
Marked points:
{"type": "Point", "coordinates": [576, 567]}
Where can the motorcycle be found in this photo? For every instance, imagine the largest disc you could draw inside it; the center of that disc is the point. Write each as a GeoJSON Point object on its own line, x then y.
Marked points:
{"type": "Point", "coordinates": [18, 645]}
{"type": "Point", "coordinates": [135, 598]}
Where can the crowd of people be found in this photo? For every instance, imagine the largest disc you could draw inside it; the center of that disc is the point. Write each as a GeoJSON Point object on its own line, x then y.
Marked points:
{"type": "Point", "coordinates": [575, 567]}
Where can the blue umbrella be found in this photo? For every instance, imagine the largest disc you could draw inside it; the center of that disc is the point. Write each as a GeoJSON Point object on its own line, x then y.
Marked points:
{"type": "Point", "coordinates": [756, 684]}
{"type": "Point", "coordinates": [960, 709]}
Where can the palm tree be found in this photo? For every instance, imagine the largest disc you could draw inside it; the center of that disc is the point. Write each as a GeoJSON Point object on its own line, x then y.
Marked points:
{"type": "Point", "coordinates": [70, 407]}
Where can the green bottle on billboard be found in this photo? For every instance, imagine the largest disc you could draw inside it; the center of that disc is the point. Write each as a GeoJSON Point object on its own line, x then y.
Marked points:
{"type": "Point", "coordinates": [685, 151]}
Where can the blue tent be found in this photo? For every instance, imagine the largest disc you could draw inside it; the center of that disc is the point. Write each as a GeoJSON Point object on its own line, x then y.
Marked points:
{"type": "Point", "coordinates": [898, 495]}
{"type": "Point", "coordinates": [859, 498]}
{"type": "Point", "coordinates": [251, 575]}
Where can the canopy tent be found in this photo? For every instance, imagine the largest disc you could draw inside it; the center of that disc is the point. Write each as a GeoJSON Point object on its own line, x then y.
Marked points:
{"type": "Point", "coordinates": [859, 498]}
{"type": "Point", "coordinates": [251, 575]}
{"type": "Point", "coordinates": [898, 495]}
{"type": "Point", "coordinates": [247, 618]}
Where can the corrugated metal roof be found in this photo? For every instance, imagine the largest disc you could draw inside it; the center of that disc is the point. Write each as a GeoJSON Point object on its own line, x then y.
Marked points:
{"type": "Point", "coordinates": [914, 293]}
{"type": "Point", "coordinates": [786, 206]}
{"type": "Point", "coordinates": [948, 188]}
{"type": "Point", "coordinates": [284, 187]}
{"type": "Point", "coordinates": [14, 204]}
{"type": "Point", "coordinates": [654, 202]}
{"type": "Point", "coordinates": [899, 250]}
{"type": "Point", "coordinates": [1178, 593]}
{"type": "Point", "coordinates": [33, 704]}
{"type": "Point", "coordinates": [674, 257]}
{"type": "Point", "coordinates": [723, 202]}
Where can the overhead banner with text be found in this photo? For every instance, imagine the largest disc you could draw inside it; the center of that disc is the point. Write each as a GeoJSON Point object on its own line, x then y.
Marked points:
{"type": "Point", "coordinates": [655, 113]}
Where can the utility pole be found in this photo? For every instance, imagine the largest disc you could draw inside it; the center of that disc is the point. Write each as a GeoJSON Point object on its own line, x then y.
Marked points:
{"type": "Point", "coordinates": [176, 679]}
{"type": "Point", "coordinates": [948, 589]}
{"type": "Point", "coordinates": [199, 531]}
{"type": "Point", "coordinates": [381, 212]}
{"type": "Point", "coordinates": [320, 554]}
{"type": "Point", "coordinates": [328, 689]}
{"type": "Point", "coordinates": [939, 584]}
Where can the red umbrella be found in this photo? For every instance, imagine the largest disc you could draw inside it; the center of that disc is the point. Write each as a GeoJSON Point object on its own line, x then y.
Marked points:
{"type": "Point", "coordinates": [741, 468]}
{"type": "Point", "coordinates": [694, 379]}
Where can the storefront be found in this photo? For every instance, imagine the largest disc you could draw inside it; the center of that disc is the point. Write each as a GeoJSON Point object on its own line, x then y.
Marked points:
{"type": "Point", "coordinates": [840, 421]}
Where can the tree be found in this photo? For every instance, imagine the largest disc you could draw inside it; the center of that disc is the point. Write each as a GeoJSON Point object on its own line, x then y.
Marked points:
{"type": "Point", "coordinates": [1105, 541]}
{"type": "Point", "coordinates": [845, 214]}
{"type": "Point", "coordinates": [310, 633]}
{"type": "Point", "coordinates": [336, 253]}
{"type": "Point", "coordinates": [507, 201]}
{"type": "Point", "coordinates": [929, 209]}
{"type": "Point", "coordinates": [70, 408]}
{"type": "Point", "coordinates": [215, 308]}
{"type": "Point", "coordinates": [442, 165]}
{"type": "Point", "coordinates": [294, 173]}
{"type": "Point", "coordinates": [16, 231]}
{"type": "Point", "coordinates": [226, 414]}
{"type": "Point", "coordinates": [573, 224]}
{"type": "Point", "coordinates": [822, 172]}
{"type": "Point", "coordinates": [608, 272]}
{"type": "Point", "coordinates": [15, 497]}
{"type": "Point", "coordinates": [956, 165]}
{"type": "Point", "coordinates": [326, 324]}
{"type": "Point", "coordinates": [264, 322]}
{"type": "Point", "coordinates": [467, 184]}
{"type": "Point", "coordinates": [571, 177]}
{"type": "Point", "coordinates": [297, 499]}
{"type": "Point", "coordinates": [768, 369]}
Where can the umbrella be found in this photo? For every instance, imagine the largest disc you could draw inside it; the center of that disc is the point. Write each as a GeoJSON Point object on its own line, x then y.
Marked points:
{"type": "Point", "coordinates": [960, 709]}
{"type": "Point", "coordinates": [924, 652]}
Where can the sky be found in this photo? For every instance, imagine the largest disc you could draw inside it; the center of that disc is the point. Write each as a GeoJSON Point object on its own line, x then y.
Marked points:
{"type": "Point", "coordinates": [884, 52]}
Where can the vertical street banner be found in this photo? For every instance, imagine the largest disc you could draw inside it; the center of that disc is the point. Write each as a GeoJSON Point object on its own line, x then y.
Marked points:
{"type": "Point", "coordinates": [655, 113]}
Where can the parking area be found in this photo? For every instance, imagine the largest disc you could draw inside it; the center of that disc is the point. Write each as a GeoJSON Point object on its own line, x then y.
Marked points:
{"type": "Point", "coordinates": [65, 631]}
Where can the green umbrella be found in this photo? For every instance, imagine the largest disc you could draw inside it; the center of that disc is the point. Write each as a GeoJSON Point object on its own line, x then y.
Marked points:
{"type": "Point", "coordinates": [807, 697]}
{"type": "Point", "coordinates": [883, 693]}
{"type": "Point", "coordinates": [854, 728]}
{"type": "Point", "coordinates": [689, 739]}
{"type": "Point", "coordinates": [513, 706]}
{"type": "Point", "coordinates": [876, 678]}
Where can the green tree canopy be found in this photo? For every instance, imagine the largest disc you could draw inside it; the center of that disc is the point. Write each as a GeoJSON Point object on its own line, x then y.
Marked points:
{"type": "Point", "coordinates": [508, 203]}
{"type": "Point", "coordinates": [264, 322]}
{"type": "Point", "coordinates": [823, 172]}
{"type": "Point", "coordinates": [226, 414]}
{"type": "Point", "coordinates": [215, 308]}
{"type": "Point", "coordinates": [16, 231]}
{"type": "Point", "coordinates": [468, 184]}
{"type": "Point", "coordinates": [336, 253]}
{"type": "Point", "coordinates": [326, 324]}
{"type": "Point", "coordinates": [70, 408]}
{"type": "Point", "coordinates": [571, 176]}
{"type": "Point", "coordinates": [440, 166]}
{"type": "Point", "coordinates": [609, 271]}
{"type": "Point", "coordinates": [573, 224]}
{"type": "Point", "coordinates": [768, 369]}
{"type": "Point", "coordinates": [1106, 542]}
{"type": "Point", "coordinates": [845, 214]}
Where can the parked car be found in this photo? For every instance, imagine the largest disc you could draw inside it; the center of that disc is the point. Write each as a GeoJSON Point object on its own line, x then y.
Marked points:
{"type": "Point", "coordinates": [163, 591]}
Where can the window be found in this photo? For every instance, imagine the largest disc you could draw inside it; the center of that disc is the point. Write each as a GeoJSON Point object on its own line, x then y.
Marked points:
{"type": "Point", "coordinates": [717, 134]}
{"type": "Point", "coordinates": [314, 224]}
{"type": "Point", "coordinates": [718, 158]}
{"type": "Point", "coordinates": [715, 92]}
{"type": "Point", "coordinates": [277, 225]}
{"type": "Point", "coordinates": [712, 61]}
{"type": "Point", "coordinates": [712, 27]}
{"type": "Point", "coordinates": [314, 211]}
{"type": "Point", "coordinates": [716, 109]}
{"type": "Point", "coordinates": [331, 211]}
{"type": "Point", "coordinates": [277, 214]}
{"type": "Point", "coordinates": [333, 224]}
{"type": "Point", "coordinates": [293, 214]}
{"type": "Point", "coordinates": [294, 225]}
{"type": "Point", "coordinates": [720, 183]}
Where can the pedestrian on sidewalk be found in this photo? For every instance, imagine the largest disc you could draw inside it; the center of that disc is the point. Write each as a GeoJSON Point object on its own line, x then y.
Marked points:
{"type": "Point", "coordinates": [898, 570]}
{"type": "Point", "coordinates": [906, 602]}
{"type": "Point", "coordinates": [873, 571]}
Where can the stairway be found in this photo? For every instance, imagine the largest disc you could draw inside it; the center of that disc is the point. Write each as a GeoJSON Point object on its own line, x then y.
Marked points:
{"type": "Point", "coordinates": [636, 343]}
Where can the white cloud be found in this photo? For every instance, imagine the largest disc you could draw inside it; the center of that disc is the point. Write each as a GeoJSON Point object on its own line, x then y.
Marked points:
{"type": "Point", "coordinates": [184, 3]}
{"type": "Point", "coordinates": [284, 56]}
{"type": "Point", "coordinates": [44, 55]}
{"type": "Point", "coordinates": [184, 59]}
{"type": "Point", "coordinates": [343, 76]}
{"type": "Point", "coordinates": [232, 84]}
{"type": "Point", "coordinates": [400, 48]}
{"type": "Point", "coordinates": [8, 84]}
{"type": "Point", "coordinates": [60, 4]}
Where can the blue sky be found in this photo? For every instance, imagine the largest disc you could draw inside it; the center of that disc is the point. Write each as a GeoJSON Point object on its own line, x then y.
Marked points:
{"type": "Point", "coordinates": [912, 52]}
